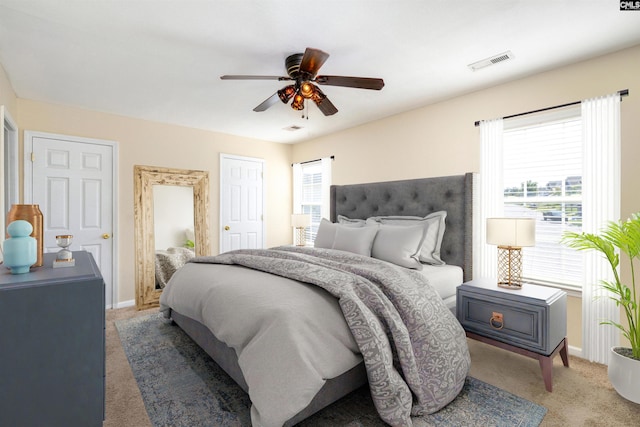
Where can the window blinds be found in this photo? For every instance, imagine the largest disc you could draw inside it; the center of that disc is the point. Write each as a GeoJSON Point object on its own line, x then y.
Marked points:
{"type": "Point", "coordinates": [543, 180]}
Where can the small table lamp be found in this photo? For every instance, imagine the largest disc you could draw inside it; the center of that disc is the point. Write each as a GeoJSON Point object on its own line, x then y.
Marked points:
{"type": "Point", "coordinates": [510, 234]}
{"type": "Point", "coordinates": [300, 222]}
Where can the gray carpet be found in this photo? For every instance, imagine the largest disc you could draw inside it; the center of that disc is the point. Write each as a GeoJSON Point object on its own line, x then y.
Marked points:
{"type": "Point", "coordinates": [182, 386]}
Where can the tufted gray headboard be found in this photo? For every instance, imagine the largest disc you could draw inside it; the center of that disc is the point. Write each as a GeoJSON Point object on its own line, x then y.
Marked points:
{"type": "Point", "coordinates": [417, 197]}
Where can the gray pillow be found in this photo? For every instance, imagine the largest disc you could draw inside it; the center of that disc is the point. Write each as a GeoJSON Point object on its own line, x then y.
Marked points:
{"type": "Point", "coordinates": [399, 245]}
{"type": "Point", "coordinates": [351, 221]}
{"type": "Point", "coordinates": [358, 240]}
{"type": "Point", "coordinates": [325, 235]}
{"type": "Point", "coordinates": [435, 227]}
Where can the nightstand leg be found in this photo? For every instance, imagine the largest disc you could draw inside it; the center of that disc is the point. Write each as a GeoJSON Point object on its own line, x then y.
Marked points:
{"type": "Point", "coordinates": [546, 365]}
{"type": "Point", "coordinates": [564, 355]}
{"type": "Point", "coordinates": [546, 362]}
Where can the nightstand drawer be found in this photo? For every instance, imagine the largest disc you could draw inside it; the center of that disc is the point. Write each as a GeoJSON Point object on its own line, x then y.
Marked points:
{"type": "Point", "coordinates": [514, 323]}
{"type": "Point", "coordinates": [532, 318]}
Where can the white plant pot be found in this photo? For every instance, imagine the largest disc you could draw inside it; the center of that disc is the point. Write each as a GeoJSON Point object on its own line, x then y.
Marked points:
{"type": "Point", "coordinates": [624, 374]}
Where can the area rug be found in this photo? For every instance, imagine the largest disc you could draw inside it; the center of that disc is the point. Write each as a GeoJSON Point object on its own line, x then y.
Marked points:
{"type": "Point", "coordinates": [182, 386]}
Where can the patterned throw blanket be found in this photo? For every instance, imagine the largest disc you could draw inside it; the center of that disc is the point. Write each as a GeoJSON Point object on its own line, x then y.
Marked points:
{"type": "Point", "coordinates": [167, 262]}
{"type": "Point", "coordinates": [393, 313]}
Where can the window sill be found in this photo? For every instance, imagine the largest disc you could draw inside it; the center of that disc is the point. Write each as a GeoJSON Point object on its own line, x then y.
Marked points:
{"type": "Point", "coordinates": [572, 291]}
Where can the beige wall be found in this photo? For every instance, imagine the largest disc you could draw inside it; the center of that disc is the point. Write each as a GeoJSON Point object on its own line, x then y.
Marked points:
{"type": "Point", "coordinates": [441, 139]}
{"type": "Point", "coordinates": [147, 143]}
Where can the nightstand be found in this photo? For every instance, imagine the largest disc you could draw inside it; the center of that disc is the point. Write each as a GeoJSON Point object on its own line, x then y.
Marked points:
{"type": "Point", "coordinates": [531, 321]}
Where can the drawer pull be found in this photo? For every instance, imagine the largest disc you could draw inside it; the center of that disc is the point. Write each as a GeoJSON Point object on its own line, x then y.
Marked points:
{"type": "Point", "coordinates": [496, 321]}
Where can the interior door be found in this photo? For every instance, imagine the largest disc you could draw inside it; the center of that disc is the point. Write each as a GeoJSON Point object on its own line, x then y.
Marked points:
{"type": "Point", "coordinates": [241, 203]}
{"type": "Point", "coordinates": [72, 179]}
{"type": "Point", "coordinates": [9, 178]}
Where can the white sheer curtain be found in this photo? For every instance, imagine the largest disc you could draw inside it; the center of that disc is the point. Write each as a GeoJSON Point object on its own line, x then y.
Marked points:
{"type": "Point", "coordinates": [297, 188]}
{"type": "Point", "coordinates": [488, 202]}
{"type": "Point", "coordinates": [326, 184]}
{"type": "Point", "coordinates": [601, 203]}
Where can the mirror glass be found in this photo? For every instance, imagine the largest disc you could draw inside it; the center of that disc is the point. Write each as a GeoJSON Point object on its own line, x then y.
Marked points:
{"type": "Point", "coordinates": [171, 213]}
{"type": "Point", "coordinates": [172, 216]}
{"type": "Point", "coordinates": [173, 230]}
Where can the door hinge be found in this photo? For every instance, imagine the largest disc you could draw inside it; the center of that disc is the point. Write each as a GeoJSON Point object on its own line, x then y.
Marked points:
{"type": "Point", "coordinates": [33, 157]}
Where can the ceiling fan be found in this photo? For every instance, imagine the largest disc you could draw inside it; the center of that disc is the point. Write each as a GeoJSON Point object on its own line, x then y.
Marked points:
{"type": "Point", "coordinates": [302, 70]}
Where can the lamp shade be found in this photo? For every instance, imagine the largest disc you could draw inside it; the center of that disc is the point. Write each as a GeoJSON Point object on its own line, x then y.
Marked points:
{"type": "Point", "coordinates": [300, 220]}
{"type": "Point", "coordinates": [517, 232]}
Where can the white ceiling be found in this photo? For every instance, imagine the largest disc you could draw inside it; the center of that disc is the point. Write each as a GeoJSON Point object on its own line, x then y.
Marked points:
{"type": "Point", "coordinates": [162, 60]}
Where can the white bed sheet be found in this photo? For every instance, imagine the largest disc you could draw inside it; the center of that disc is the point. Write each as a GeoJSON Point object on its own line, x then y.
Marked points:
{"type": "Point", "coordinates": [445, 279]}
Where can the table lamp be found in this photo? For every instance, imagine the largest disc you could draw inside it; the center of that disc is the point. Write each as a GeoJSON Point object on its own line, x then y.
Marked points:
{"type": "Point", "coordinates": [511, 235]}
{"type": "Point", "coordinates": [300, 222]}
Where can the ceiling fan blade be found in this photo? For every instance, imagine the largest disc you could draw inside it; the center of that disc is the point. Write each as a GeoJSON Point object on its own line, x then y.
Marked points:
{"type": "Point", "coordinates": [357, 82]}
{"type": "Point", "coordinates": [312, 60]}
{"type": "Point", "coordinates": [268, 102]}
{"type": "Point", "coordinates": [245, 77]}
{"type": "Point", "coordinates": [326, 106]}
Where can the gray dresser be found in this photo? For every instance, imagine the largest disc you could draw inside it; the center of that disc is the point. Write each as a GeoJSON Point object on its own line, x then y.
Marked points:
{"type": "Point", "coordinates": [531, 321]}
{"type": "Point", "coordinates": [52, 349]}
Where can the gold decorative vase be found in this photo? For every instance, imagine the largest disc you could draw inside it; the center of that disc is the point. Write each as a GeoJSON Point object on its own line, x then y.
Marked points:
{"type": "Point", "coordinates": [33, 215]}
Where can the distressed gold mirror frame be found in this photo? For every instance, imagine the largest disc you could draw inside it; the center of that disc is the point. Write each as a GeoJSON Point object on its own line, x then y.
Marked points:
{"type": "Point", "coordinates": [145, 177]}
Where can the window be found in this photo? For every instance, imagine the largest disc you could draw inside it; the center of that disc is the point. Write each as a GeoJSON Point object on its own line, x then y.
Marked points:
{"type": "Point", "coordinates": [311, 192]}
{"type": "Point", "coordinates": [542, 176]}
{"type": "Point", "coordinates": [577, 188]}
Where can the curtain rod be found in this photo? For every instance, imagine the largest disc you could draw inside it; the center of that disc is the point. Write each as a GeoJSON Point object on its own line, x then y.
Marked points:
{"type": "Point", "coordinates": [622, 93]}
{"type": "Point", "coordinates": [316, 160]}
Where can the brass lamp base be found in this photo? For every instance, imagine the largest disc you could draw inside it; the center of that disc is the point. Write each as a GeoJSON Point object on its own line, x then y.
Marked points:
{"type": "Point", "coordinates": [300, 238]}
{"type": "Point", "coordinates": [510, 267]}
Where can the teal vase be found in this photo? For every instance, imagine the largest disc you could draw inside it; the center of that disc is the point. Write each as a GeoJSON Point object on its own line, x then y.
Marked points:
{"type": "Point", "coordinates": [20, 250]}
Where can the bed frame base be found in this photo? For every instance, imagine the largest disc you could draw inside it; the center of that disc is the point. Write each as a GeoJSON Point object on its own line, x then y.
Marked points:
{"type": "Point", "coordinates": [226, 358]}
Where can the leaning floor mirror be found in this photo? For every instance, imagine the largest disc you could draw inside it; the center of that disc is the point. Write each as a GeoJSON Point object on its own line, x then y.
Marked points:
{"type": "Point", "coordinates": [169, 234]}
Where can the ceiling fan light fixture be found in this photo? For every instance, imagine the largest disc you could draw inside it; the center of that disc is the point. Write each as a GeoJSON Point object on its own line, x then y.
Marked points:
{"type": "Point", "coordinates": [298, 102]}
{"type": "Point", "coordinates": [318, 96]}
{"type": "Point", "coordinates": [307, 90]}
{"type": "Point", "coordinates": [286, 93]}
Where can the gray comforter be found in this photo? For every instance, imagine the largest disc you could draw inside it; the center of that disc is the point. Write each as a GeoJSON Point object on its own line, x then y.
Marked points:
{"type": "Point", "coordinates": [393, 313]}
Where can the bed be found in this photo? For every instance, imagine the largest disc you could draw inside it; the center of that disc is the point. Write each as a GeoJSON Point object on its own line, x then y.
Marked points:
{"type": "Point", "coordinates": [419, 198]}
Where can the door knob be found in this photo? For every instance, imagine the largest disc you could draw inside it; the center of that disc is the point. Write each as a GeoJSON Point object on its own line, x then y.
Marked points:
{"type": "Point", "coordinates": [106, 236]}
{"type": "Point", "coordinates": [227, 228]}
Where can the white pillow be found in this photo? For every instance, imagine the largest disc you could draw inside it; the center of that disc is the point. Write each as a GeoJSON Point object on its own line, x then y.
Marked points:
{"type": "Point", "coordinates": [399, 245]}
{"type": "Point", "coordinates": [435, 227]}
{"type": "Point", "coordinates": [325, 234]}
{"type": "Point", "coordinates": [358, 240]}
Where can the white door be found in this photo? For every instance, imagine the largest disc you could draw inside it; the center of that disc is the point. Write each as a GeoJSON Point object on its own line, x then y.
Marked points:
{"type": "Point", "coordinates": [9, 178]}
{"type": "Point", "coordinates": [241, 203]}
{"type": "Point", "coordinates": [72, 179]}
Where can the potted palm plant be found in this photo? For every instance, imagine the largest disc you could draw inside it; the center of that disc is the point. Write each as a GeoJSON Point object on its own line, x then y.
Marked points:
{"type": "Point", "coordinates": [616, 239]}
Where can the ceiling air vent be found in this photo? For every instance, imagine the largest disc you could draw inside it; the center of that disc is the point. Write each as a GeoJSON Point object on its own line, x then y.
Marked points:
{"type": "Point", "coordinates": [293, 128]}
{"type": "Point", "coordinates": [501, 57]}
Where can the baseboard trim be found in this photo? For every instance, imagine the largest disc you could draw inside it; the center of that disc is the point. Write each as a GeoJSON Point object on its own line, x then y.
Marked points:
{"type": "Point", "coordinates": [123, 304]}
{"type": "Point", "coordinates": [575, 351]}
